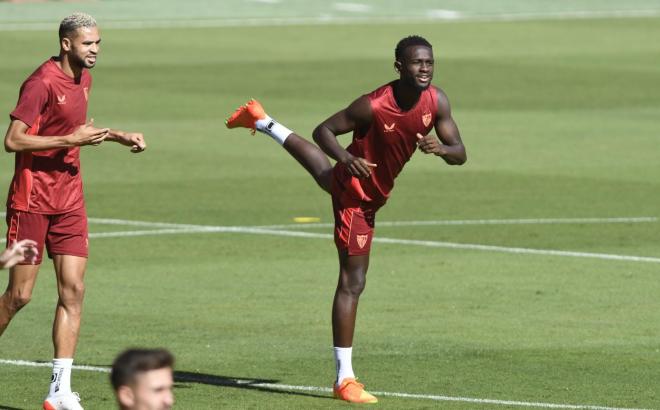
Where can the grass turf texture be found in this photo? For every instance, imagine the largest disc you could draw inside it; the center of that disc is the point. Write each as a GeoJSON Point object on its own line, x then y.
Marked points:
{"type": "Point", "coordinates": [560, 120]}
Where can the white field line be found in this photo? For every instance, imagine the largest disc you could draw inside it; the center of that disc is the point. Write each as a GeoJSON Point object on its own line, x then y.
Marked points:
{"type": "Point", "coordinates": [198, 229]}
{"type": "Point", "coordinates": [523, 221]}
{"type": "Point", "coordinates": [430, 16]}
{"type": "Point", "coordinates": [174, 229]}
{"type": "Point", "coordinates": [127, 222]}
{"type": "Point", "coordinates": [530, 251]}
{"type": "Point", "coordinates": [288, 387]}
{"type": "Point", "coordinates": [268, 230]}
{"type": "Point", "coordinates": [48, 364]}
{"type": "Point", "coordinates": [518, 221]}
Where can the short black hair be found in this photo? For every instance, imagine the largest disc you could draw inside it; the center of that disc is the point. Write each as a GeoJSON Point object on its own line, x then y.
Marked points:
{"type": "Point", "coordinates": [413, 40]}
{"type": "Point", "coordinates": [131, 362]}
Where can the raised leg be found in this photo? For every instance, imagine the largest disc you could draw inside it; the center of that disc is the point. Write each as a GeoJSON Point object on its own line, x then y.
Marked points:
{"type": "Point", "coordinates": [252, 116]}
{"type": "Point", "coordinates": [311, 158]}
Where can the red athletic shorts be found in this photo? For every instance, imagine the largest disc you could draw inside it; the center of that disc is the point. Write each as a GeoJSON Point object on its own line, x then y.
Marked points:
{"type": "Point", "coordinates": [63, 234]}
{"type": "Point", "coordinates": [354, 221]}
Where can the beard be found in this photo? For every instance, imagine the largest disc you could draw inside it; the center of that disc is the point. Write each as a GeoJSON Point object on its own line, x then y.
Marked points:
{"type": "Point", "coordinates": [81, 62]}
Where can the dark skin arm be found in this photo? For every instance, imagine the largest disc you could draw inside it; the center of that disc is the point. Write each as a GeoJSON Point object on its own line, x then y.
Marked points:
{"type": "Point", "coordinates": [448, 144]}
{"type": "Point", "coordinates": [355, 116]}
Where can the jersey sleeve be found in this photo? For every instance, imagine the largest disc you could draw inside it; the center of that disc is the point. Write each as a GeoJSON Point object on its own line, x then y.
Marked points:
{"type": "Point", "coordinates": [31, 101]}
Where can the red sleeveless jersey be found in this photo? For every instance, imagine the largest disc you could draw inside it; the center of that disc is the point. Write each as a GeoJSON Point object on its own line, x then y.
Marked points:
{"type": "Point", "coordinates": [51, 104]}
{"type": "Point", "coordinates": [390, 142]}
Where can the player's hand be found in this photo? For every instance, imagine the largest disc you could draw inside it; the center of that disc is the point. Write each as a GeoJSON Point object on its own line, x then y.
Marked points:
{"type": "Point", "coordinates": [87, 134]}
{"type": "Point", "coordinates": [22, 251]}
{"type": "Point", "coordinates": [358, 167]}
{"type": "Point", "coordinates": [430, 144]}
{"type": "Point", "coordinates": [135, 140]}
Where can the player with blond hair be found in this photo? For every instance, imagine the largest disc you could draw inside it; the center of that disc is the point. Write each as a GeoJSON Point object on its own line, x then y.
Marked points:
{"type": "Point", "coordinates": [48, 127]}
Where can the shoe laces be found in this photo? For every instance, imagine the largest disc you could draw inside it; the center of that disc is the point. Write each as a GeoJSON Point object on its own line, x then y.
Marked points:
{"type": "Point", "coordinates": [355, 382]}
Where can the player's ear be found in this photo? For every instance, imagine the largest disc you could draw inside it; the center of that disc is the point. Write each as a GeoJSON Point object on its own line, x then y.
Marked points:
{"type": "Point", "coordinates": [397, 66]}
{"type": "Point", "coordinates": [125, 396]}
{"type": "Point", "coordinates": [65, 43]}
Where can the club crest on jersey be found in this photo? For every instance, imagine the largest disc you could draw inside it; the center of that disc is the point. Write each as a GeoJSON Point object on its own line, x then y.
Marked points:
{"type": "Point", "coordinates": [426, 119]}
{"type": "Point", "coordinates": [389, 128]}
{"type": "Point", "coordinates": [86, 91]}
{"type": "Point", "coordinates": [361, 240]}
{"type": "Point", "coordinates": [61, 99]}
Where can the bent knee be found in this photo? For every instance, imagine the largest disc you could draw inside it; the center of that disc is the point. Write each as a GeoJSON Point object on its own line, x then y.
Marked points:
{"type": "Point", "coordinates": [16, 300]}
{"type": "Point", "coordinates": [324, 180]}
{"type": "Point", "coordinates": [354, 287]}
{"type": "Point", "coordinates": [73, 293]}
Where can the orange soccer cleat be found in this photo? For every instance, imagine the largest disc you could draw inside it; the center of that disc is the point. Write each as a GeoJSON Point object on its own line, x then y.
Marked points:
{"type": "Point", "coordinates": [246, 116]}
{"type": "Point", "coordinates": [352, 391]}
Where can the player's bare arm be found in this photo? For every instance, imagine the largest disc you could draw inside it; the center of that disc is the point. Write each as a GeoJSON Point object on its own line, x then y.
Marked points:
{"type": "Point", "coordinates": [135, 140]}
{"type": "Point", "coordinates": [356, 115]}
{"type": "Point", "coordinates": [18, 140]}
{"type": "Point", "coordinates": [448, 144]}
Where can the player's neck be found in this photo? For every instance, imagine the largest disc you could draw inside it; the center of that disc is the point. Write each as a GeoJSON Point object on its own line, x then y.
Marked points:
{"type": "Point", "coordinates": [405, 96]}
{"type": "Point", "coordinates": [67, 68]}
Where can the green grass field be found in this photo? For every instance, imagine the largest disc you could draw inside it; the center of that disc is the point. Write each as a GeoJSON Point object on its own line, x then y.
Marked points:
{"type": "Point", "coordinates": [560, 119]}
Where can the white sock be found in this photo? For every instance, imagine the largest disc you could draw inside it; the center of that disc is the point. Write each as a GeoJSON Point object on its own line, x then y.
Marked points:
{"type": "Point", "coordinates": [343, 363]}
{"type": "Point", "coordinates": [60, 382]}
{"type": "Point", "coordinates": [274, 129]}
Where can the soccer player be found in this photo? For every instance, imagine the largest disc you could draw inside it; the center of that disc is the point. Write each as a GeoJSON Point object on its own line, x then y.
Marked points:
{"type": "Point", "coordinates": [142, 379]}
{"type": "Point", "coordinates": [388, 125]}
{"type": "Point", "coordinates": [45, 203]}
{"type": "Point", "coordinates": [21, 251]}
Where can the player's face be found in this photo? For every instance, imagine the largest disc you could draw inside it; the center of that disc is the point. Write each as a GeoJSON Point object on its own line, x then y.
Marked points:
{"type": "Point", "coordinates": [153, 390]}
{"type": "Point", "coordinates": [416, 69]}
{"type": "Point", "coordinates": [83, 47]}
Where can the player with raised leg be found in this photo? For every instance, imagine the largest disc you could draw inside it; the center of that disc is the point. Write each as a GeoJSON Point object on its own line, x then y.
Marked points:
{"type": "Point", "coordinates": [388, 125]}
{"type": "Point", "coordinates": [45, 204]}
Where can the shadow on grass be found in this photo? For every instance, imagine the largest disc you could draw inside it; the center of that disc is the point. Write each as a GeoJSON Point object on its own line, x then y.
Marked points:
{"type": "Point", "coordinates": [8, 408]}
{"type": "Point", "coordinates": [238, 383]}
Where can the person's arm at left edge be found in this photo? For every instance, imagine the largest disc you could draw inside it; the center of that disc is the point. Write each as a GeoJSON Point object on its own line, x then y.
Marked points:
{"type": "Point", "coordinates": [21, 251]}
{"type": "Point", "coordinates": [448, 144]}
{"type": "Point", "coordinates": [135, 140]}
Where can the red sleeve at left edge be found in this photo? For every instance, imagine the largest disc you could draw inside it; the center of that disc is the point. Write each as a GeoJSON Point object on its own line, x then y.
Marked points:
{"type": "Point", "coordinates": [31, 101]}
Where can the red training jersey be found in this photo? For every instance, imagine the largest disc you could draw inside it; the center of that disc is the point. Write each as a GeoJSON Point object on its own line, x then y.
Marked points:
{"type": "Point", "coordinates": [52, 104]}
{"type": "Point", "coordinates": [390, 142]}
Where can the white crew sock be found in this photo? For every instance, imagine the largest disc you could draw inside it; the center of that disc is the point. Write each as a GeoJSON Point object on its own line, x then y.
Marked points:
{"type": "Point", "coordinates": [274, 129]}
{"type": "Point", "coordinates": [60, 382]}
{"type": "Point", "coordinates": [343, 363]}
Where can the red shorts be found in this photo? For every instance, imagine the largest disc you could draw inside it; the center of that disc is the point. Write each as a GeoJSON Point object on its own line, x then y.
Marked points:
{"type": "Point", "coordinates": [63, 234]}
{"type": "Point", "coordinates": [354, 221]}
